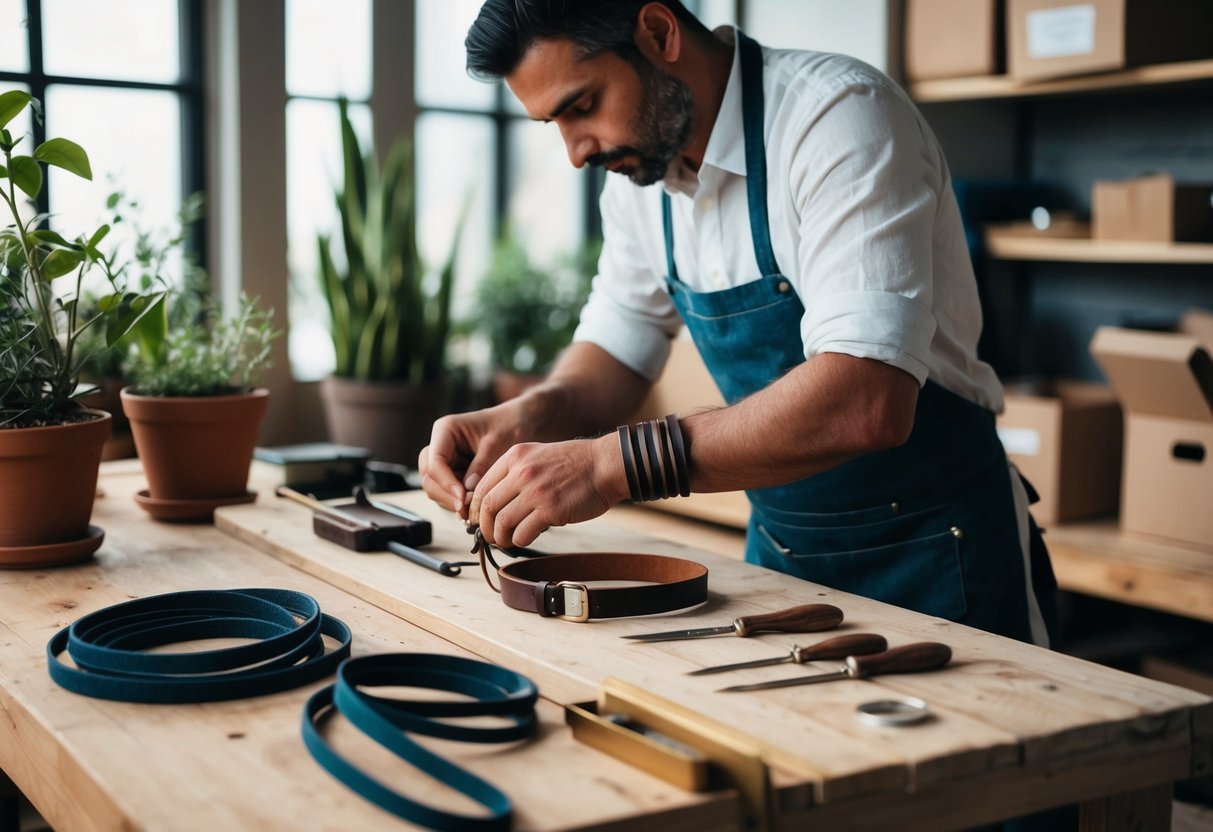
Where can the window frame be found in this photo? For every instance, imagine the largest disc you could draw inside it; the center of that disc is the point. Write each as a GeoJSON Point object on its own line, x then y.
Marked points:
{"type": "Point", "coordinates": [189, 89]}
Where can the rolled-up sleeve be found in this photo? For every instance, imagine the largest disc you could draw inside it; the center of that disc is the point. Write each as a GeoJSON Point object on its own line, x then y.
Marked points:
{"type": "Point", "coordinates": [866, 192]}
{"type": "Point", "coordinates": [629, 313]}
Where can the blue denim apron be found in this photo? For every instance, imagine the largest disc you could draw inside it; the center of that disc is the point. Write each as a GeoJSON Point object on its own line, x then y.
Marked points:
{"type": "Point", "coordinates": [930, 525]}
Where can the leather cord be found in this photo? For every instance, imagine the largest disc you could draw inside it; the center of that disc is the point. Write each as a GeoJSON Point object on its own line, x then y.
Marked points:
{"type": "Point", "coordinates": [494, 691]}
{"type": "Point", "coordinates": [107, 647]}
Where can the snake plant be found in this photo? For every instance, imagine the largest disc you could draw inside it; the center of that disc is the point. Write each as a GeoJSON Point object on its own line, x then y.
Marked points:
{"type": "Point", "coordinates": [388, 323]}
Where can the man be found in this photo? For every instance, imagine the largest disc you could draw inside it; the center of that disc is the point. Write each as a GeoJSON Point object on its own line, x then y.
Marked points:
{"type": "Point", "coordinates": [805, 232]}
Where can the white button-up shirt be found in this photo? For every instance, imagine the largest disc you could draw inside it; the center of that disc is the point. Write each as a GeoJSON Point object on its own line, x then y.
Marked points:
{"type": "Point", "coordinates": [863, 223]}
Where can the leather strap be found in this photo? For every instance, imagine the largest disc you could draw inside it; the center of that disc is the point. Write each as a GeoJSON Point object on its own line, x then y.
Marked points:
{"type": "Point", "coordinates": [288, 648]}
{"type": "Point", "coordinates": [556, 585]}
{"type": "Point", "coordinates": [495, 691]}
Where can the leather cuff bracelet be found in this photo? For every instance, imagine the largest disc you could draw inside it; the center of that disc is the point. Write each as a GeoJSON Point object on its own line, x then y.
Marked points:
{"type": "Point", "coordinates": [655, 459]}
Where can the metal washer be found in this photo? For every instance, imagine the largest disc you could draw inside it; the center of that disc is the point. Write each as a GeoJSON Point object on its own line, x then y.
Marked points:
{"type": "Point", "coordinates": [895, 712]}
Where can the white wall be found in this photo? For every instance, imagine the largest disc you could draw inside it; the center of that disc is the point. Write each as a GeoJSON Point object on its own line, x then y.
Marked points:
{"type": "Point", "coordinates": [854, 27]}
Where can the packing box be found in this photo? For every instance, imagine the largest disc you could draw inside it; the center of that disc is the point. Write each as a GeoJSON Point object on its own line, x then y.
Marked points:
{"type": "Point", "coordinates": [953, 38]}
{"type": "Point", "coordinates": [1052, 38]}
{"type": "Point", "coordinates": [1065, 438]}
{"type": "Point", "coordinates": [1152, 208]}
{"type": "Point", "coordinates": [1165, 383]}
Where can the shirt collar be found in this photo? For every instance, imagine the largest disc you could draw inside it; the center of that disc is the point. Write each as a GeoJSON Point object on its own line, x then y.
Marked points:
{"type": "Point", "coordinates": [726, 143]}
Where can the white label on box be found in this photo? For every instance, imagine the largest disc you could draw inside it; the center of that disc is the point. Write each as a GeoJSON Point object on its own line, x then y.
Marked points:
{"type": "Point", "coordinates": [1022, 441]}
{"type": "Point", "coordinates": [1056, 33]}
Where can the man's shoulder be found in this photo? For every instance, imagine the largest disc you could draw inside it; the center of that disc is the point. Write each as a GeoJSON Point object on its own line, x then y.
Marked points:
{"type": "Point", "coordinates": [804, 77]}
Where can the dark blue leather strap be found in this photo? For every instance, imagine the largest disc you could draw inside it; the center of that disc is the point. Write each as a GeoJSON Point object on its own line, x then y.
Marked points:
{"type": "Point", "coordinates": [288, 627]}
{"type": "Point", "coordinates": [494, 691]}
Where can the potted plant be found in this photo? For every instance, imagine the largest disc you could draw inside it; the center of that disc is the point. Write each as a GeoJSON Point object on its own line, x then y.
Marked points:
{"type": "Point", "coordinates": [388, 321]}
{"type": "Point", "coordinates": [50, 446]}
{"type": "Point", "coordinates": [195, 405]}
{"type": "Point", "coordinates": [528, 314]}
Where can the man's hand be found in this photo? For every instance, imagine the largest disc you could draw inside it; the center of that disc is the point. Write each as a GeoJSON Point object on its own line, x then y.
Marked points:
{"type": "Point", "coordinates": [535, 486]}
{"type": "Point", "coordinates": [462, 448]}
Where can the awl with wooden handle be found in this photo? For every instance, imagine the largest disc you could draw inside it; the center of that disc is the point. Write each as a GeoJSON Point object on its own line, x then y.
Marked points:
{"type": "Point", "coordinates": [808, 618]}
{"type": "Point", "coordinates": [912, 658]}
{"type": "Point", "coordinates": [839, 647]}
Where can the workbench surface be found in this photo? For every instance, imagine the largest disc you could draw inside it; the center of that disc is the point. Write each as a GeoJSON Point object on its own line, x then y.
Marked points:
{"type": "Point", "coordinates": [1014, 728]}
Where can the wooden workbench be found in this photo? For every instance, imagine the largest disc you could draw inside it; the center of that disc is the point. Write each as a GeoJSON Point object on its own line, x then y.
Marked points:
{"type": "Point", "coordinates": [1020, 727]}
{"type": "Point", "coordinates": [1024, 727]}
{"type": "Point", "coordinates": [88, 764]}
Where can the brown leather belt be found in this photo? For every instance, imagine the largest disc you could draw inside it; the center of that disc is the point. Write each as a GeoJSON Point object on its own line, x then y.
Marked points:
{"type": "Point", "coordinates": [556, 585]}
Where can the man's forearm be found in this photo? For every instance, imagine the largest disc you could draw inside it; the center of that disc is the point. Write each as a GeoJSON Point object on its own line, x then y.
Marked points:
{"type": "Point", "coordinates": [830, 409]}
{"type": "Point", "coordinates": [586, 393]}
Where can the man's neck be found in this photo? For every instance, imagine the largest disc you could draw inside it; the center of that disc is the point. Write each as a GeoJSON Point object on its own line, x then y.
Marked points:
{"type": "Point", "coordinates": [707, 69]}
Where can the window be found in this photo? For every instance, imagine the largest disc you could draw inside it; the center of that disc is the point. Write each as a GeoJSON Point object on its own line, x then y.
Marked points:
{"type": "Point", "coordinates": [135, 110]}
{"type": "Point", "coordinates": [316, 76]}
{"type": "Point", "coordinates": [477, 143]}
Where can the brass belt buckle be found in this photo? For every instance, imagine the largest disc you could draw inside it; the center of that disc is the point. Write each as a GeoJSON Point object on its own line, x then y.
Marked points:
{"type": "Point", "coordinates": [576, 601]}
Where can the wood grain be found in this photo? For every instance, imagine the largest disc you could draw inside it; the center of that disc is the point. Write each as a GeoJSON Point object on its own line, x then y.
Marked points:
{"type": "Point", "coordinates": [1002, 706]}
{"type": "Point", "coordinates": [89, 764]}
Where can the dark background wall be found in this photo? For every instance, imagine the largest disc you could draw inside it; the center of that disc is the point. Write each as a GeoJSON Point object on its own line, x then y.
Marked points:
{"type": "Point", "coordinates": [1041, 316]}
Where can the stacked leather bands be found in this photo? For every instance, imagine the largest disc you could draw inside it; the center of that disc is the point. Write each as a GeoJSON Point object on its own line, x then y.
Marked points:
{"type": "Point", "coordinates": [493, 691]}
{"type": "Point", "coordinates": [655, 459]}
{"type": "Point", "coordinates": [287, 650]}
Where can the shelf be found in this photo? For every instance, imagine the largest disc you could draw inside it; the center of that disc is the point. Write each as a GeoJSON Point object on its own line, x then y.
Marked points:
{"type": "Point", "coordinates": [1009, 243]}
{"type": "Point", "coordinates": [1002, 86]}
{"type": "Point", "coordinates": [1097, 559]}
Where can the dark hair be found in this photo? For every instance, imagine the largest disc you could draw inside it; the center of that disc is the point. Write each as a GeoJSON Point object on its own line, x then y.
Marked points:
{"type": "Point", "coordinates": [505, 29]}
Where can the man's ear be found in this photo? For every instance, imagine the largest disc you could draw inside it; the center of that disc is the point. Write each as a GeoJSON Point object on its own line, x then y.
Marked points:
{"type": "Point", "coordinates": [658, 34]}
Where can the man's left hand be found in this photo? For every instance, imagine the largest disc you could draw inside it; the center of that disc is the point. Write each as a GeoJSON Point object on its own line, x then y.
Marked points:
{"type": "Point", "coordinates": [535, 486]}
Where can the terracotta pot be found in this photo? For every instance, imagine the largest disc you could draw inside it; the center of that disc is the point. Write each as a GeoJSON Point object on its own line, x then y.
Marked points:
{"type": "Point", "coordinates": [195, 448]}
{"type": "Point", "coordinates": [48, 479]}
{"type": "Point", "coordinates": [392, 420]}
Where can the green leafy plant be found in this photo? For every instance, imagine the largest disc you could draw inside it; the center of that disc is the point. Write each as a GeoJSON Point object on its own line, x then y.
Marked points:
{"type": "Point", "coordinates": [41, 326]}
{"type": "Point", "coordinates": [212, 356]}
{"type": "Point", "coordinates": [388, 322]}
{"type": "Point", "coordinates": [527, 313]}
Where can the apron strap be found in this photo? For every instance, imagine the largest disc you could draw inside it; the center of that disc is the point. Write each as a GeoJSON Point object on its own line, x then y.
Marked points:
{"type": "Point", "coordinates": [752, 109]}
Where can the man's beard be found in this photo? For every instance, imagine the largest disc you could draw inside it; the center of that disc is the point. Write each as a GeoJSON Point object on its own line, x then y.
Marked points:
{"type": "Point", "coordinates": [662, 127]}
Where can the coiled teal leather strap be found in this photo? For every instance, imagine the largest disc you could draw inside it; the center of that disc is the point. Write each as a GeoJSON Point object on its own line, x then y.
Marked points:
{"type": "Point", "coordinates": [494, 691]}
{"type": "Point", "coordinates": [289, 650]}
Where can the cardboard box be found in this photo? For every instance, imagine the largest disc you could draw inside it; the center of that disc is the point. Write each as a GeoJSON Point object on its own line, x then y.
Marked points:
{"type": "Point", "coordinates": [1065, 437]}
{"type": "Point", "coordinates": [1152, 209]}
{"type": "Point", "coordinates": [1054, 38]}
{"type": "Point", "coordinates": [1165, 383]}
{"type": "Point", "coordinates": [953, 38]}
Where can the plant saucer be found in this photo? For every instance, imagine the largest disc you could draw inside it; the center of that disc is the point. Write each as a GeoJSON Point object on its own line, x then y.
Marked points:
{"type": "Point", "coordinates": [200, 510]}
{"type": "Point", "coordinates": [52, 554]}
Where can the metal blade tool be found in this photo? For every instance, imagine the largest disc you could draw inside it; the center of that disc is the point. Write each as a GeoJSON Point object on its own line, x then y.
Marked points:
{"type": "Point", "coordinates": [839, 647]}
{"type": "Point", "coordinates": [911, 658]}
{"type": "Point", "coordinates": [809, 618]}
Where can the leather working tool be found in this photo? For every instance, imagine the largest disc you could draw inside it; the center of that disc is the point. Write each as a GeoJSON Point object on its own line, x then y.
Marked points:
{"type": "Point", "coordinates": [494, 691]}
{"type": "Point", "coordinates": [289, 651]}
{"type": "Point", "coordinates": [556, 585]}
{"type": "Point", "coordinates": [369, 525]}
{"type": "Point", "coordinates": [364, 525]}
{"type": "Point", "coordinates": [807, 618]}
{"type": "Point", "coordinates": [839, 647]}
{"type": "Point", "coordinates": [911, 658]}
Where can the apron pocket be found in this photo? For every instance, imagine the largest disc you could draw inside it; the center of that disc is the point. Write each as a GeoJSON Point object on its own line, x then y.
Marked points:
{"type": "Point", "coordinates": [921, 571]}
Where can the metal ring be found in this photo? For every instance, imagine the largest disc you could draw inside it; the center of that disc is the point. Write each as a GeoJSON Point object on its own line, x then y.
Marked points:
{"type": "Point", "coordinates": [883, 712]}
